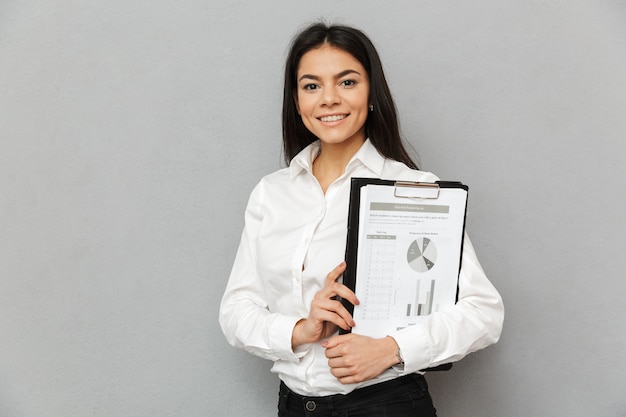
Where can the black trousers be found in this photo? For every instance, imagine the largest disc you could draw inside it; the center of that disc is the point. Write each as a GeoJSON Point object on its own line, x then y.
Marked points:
{"type": "Point", "coordinates": [406, 396]}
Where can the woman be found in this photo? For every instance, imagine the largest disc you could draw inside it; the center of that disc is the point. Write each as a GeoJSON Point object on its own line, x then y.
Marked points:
{"type": "Point", "coordinates": [339, 121]}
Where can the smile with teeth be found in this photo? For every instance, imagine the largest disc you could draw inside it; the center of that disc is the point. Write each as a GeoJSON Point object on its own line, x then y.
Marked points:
{"type": "Point", "coordinates": [333, 118]}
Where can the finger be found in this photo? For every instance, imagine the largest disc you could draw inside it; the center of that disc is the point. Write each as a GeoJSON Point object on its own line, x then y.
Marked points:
{"type": "Point", "coordinates": [334, 354]}
{"type": "Point", "coordinates": [332, 311]}
{"type": "Point", "coordinates": [346, 375]}
{"type": "Point", "coordinates": [333, 288]}
{"type": "Point", "coordinates": [338, 295]}
{"type": "Point", "coordinates": [336, 340]}
{"type": "Point", "coordinates": [330, 318]}
{"type": "Point", "coordinates": [349, 379]}
{"type": "Point", "coordinates": [335, 274]}
{"type": "Point", "coordinates": [338, 290]}
{"type": "Point", "coordinates": [329, 344]}
{"type": "Point", "coordinates": [339, 371]}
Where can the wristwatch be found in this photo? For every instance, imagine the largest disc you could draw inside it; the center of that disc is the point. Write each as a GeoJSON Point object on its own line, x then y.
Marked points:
{"type": "Point", "coordinates": [400, 358]}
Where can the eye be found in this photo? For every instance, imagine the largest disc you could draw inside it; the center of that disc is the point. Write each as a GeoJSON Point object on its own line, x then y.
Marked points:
{"type": "Point", "coordinates": [348, 83]}
{"type": "Point", "coordinates": [310, 87]}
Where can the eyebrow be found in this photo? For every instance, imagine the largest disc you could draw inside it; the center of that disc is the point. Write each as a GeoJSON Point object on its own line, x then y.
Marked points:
{"type": "Point", "coordinates": [340, 75]}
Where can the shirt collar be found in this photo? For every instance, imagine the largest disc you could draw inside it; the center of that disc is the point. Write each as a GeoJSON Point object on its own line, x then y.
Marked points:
{"type": "Point", "coordinates": [369, 157]}
{"type": "Point", "coordinates": [303, 161]}
{"type": "Point", "coordinates": [366, 156]}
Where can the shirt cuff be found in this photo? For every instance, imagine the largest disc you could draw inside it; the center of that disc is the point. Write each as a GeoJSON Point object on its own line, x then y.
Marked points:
{"type": "Point", "coordinates": [415, 351]}
{"type": "Point", "coordinates": [281, 330]}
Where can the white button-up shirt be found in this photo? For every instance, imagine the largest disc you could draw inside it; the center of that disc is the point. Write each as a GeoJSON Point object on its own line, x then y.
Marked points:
{"type": "Point", "coordinates": [294, 235]}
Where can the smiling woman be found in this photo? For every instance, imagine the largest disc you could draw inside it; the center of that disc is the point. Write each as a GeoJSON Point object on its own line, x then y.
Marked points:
{"type": "Point", "coordinates": [381, 125]}
{"type": "Point", "coordinates": [332, 99]}
{"type": "Point", "coordinates": [339, 122]}
{"type": "Point", "coordinates": [333, 96]}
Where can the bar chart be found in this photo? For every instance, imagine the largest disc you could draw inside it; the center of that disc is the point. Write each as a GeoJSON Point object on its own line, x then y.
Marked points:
{"type": "Point", "coordinates": [422, 304]}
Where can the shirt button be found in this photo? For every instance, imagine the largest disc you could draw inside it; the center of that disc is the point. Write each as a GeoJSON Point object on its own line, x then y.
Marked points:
{"type": "Point", "coordinates": [310, 406]}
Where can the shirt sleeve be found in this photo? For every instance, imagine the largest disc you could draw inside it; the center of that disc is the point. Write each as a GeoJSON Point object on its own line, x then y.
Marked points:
{"type": "Point", "coordinates": [474, 322]}
{"type": "Point", "coordinates": [244, 316]}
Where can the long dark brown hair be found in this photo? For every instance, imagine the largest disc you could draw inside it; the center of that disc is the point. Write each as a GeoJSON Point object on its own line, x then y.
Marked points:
{"type": "Point", "coordinates": [381, 126]}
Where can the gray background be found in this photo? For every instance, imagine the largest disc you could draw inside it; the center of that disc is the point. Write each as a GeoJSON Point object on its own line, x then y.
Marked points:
{"type": "Point", "coordinates": [132, 132]}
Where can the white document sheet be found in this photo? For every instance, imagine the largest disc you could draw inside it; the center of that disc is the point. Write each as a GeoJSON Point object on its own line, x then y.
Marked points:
{"type": "Point", "coordinates": [408, 257]}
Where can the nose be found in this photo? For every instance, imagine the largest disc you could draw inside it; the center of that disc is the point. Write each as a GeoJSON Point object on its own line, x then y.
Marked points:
{"type": "Point", "coordinates": [330, 96]}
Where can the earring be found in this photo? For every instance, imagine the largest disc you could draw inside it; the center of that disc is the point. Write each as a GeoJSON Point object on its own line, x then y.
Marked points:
{"type": "Point", "coordinates": [371, 107]}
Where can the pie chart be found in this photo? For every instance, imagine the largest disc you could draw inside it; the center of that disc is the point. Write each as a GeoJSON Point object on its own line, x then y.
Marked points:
{"type": "Point", "coordinates": [422, 254]}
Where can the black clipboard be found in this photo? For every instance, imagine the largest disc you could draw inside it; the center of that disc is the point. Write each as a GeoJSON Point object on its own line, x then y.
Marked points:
{"type": "Point", "coordinates": [421, 190]}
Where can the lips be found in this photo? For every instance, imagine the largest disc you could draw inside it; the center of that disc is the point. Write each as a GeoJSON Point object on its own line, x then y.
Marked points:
{"type": "Point", "coordinates": [333, 118]}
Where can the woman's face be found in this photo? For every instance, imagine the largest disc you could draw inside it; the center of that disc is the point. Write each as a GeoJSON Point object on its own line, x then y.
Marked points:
{"type": "Point", "coordinates": [332, 95]}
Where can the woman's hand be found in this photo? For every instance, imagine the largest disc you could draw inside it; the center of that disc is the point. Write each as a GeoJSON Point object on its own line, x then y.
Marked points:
{"type": "Point", "coordinates": [354, 358]}
{"type": "Point", "coordinates": [327, 313]}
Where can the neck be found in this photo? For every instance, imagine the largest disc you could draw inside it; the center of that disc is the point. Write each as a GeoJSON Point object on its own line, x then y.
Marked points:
{"type": "Point", "coordinates": [332, 160]}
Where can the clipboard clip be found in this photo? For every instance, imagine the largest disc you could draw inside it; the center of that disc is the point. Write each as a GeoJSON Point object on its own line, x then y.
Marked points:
{"type": "Point", "coordinates": [425, 190]}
